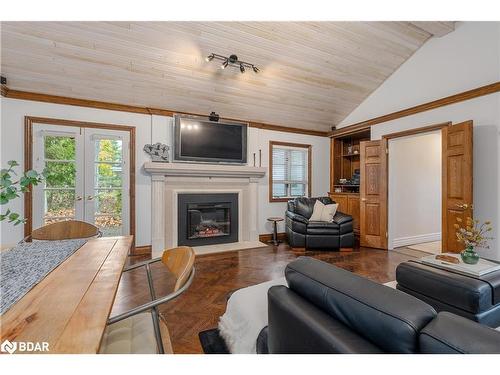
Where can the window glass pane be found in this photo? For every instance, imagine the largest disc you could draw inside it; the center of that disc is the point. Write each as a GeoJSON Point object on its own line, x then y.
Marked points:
{"type": "Point", "coordinates": [59, 148]}
{"type": "Point", "coordinates": [108, 175]}
{"type": "Point", "coordinates": [297, 190]}
{"type": "Point", "coordinates": [109, 225]}
{"type": "Point", "coordinates": [108, 202]}
{"type": "Point", "coordinates": [109, 150]}
{"type": "Point", "coordinates": [279, 190]}
{"type": "Point", "coordinates": [59, 205]}
{"type": "Point", "coordinates": [60, 174]}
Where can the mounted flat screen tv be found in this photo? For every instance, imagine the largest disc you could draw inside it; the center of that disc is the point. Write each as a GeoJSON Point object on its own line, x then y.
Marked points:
{"type": "Point", "coordinates": [201, 140]}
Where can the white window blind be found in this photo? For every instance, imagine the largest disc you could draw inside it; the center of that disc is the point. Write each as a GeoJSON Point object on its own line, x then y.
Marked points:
{"type": "Point", "coordinates": [290, 171]}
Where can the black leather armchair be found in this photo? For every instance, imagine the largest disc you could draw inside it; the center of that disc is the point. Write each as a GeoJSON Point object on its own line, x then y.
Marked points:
{"type": "Point", "coordinates": [316, 234]}
{"type": "Point", "coordinates": [326, 309]}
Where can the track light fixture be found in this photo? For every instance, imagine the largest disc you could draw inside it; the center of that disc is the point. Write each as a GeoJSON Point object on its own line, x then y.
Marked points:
{"type": "Point", "coordinates": [232, 60]}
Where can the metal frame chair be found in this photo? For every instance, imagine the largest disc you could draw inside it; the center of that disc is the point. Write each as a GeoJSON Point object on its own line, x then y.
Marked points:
{"type": "Point", "coordinates": [153, 305]}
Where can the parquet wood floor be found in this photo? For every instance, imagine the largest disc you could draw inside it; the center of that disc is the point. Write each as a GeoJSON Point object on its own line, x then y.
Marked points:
{"type": "Point", "coordinates": [218, 274]}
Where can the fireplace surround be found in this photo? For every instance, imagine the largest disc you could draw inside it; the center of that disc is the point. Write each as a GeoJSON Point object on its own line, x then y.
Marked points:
{"type": "Point", "coordinates": [169, 180]}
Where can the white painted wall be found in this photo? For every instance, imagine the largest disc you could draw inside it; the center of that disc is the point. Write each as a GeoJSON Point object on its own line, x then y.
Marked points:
{"type": "Point", "coordinates": [415, 189]}
{"type": "Point", "coordinates": [148, 129]}
{"type": "Point", "coordinates": [465, 59]}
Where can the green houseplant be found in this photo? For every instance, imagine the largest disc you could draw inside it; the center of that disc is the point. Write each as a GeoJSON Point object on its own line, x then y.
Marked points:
{"type": "Point", "coordinates": [11, 187]}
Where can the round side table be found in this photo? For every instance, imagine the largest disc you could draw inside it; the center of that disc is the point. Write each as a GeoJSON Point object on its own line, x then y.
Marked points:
{"type": "Point", "coordinates": [275, 221]}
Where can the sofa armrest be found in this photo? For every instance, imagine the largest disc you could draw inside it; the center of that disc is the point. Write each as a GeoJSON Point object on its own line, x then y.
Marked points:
{"type": "Point", "coordinates": [341, 218]}
{"type": "Point", "coordinates": [290, 206]}
{"type": "Point", "coordinates": [297, 217]}
{"type": "Point", "coordinates": [449, 333]}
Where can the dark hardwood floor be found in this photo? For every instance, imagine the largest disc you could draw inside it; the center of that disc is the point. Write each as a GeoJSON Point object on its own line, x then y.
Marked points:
{"type": "Point", "coordinates": [218, 274]}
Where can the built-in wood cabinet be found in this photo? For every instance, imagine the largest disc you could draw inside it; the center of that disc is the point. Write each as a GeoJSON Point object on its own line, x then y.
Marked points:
{"type": "Point", "coordinates": [348, 204]}
{"type": "Point", "coordinates": [345, 173]}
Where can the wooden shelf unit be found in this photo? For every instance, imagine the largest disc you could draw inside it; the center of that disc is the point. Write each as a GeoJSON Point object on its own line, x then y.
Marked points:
{"type": "Point", "coordinates": [345, 159]}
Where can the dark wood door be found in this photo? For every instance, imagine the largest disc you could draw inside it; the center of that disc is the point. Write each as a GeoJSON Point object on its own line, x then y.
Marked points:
{"type": "Point", "coordinates": [373, 194]}
{"type": "Point", "coordinates": [457, 181]}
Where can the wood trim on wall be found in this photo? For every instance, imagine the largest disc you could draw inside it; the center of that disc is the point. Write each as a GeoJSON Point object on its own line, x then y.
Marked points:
{"type": "Point", "coordinates": [424, 129]}
{"type": "Point", "coordinates": [25, 95]}
{"type": "Point", "coordinates": [267, 237]}
{"type": "Point", "coordinates": [460, 97]}
{"type": "Point", "coordinates": [270, 171]}
{"type": "Point", "coordinates": [141, 250]}
{"type": "Point", "coordinates": [28, 161]}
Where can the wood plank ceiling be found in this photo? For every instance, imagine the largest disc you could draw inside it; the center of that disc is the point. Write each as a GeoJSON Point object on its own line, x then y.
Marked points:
{"type": "Point", "coordinates": [312, 74]}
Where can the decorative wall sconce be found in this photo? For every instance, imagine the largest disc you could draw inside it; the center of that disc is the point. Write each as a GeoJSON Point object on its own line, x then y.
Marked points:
{"type": "Point", "coordinates": [232, 61]}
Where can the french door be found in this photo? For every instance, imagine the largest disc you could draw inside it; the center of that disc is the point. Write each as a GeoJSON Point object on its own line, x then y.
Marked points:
{"type": "Point", "coordinates": [87, 177]}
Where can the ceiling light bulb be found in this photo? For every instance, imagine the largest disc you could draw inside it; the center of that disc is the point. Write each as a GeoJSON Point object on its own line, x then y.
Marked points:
{"type": "Point", "coordinates": [209, 58]}
{"type": "Point", "coordinates": [242, 68]}
{"type": "Point", "coordinates": [255, 69]}
{"type": "Point", "coordinates": [224, 64]}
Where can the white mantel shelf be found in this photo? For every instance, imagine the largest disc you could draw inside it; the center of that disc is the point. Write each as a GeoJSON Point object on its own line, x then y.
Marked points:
{"type": "Point", "coordinates": [204, 170]}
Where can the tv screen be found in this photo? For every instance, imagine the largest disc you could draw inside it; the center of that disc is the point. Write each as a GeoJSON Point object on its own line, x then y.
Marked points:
{"type": "Point", "coordinates": [208, 141]}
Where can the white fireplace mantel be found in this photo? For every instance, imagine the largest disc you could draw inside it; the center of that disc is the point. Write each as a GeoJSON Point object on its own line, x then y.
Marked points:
{"type": "Point", "coordinates": [170, 179]}
{"type": "Point", "coordinates": [204, 170]}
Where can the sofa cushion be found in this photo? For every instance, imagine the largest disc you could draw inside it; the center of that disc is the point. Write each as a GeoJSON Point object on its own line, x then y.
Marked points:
{"type": "Point", "coordinates": [452, 334]}
{"type": "Point", "coordinates": [323, 212]}
{"type": "Point", "coordinates": [322, 227]}
{"type": "Point", "coordinates": [304, 206]}
{"type": "Point", "coordinates": [388, 318]}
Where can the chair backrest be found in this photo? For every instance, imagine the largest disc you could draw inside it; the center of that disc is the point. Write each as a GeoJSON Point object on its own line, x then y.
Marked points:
{"type": "Point", "coordinates": [179, 261]}
{"type": "Point", "coordinates": [65, 230]}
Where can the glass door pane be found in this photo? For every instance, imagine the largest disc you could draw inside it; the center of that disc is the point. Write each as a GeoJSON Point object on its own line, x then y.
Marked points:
{"type": "Point", "coordinates": [107, 181]}
{"type": "Point", "coordinates": [59, 151]}
{"type": "Point", "coordinates": [59, 186]}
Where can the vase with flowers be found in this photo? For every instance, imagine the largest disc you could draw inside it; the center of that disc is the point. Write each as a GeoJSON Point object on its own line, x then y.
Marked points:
{"type": "Point", "coordinates": [474, 234]}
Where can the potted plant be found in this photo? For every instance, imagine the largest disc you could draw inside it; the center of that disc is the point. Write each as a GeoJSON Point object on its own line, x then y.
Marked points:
{"type": "Point", "coordinates": [472, 235]}
{"type": "Point", "coordinates": [11, 188]}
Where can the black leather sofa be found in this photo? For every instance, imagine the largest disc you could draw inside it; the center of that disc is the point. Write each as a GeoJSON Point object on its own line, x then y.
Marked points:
{"type": "Point", "coordinates": [316, 234]}
{"type": "Point", "coordinates": [326, 309]}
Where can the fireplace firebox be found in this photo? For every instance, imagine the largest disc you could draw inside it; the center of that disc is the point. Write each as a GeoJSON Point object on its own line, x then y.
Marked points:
{"type": "Point", "coordinates": [207, 219]}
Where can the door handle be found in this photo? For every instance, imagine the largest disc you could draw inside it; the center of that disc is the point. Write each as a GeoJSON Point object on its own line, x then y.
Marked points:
{"type": "Point", "coordinates": [90, 197]}
{"type": "Point", "coordinates": [78, 198]}
{"type": "Point", "coordinates": [463, 206]}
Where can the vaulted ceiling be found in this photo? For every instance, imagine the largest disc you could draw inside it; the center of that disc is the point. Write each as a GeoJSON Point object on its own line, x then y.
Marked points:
{"type": "Point", "coordinates": [312, 74]}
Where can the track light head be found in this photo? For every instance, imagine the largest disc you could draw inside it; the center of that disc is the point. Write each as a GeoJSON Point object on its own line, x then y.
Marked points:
{"type": "Point", "coordinates": [255, 69]}
{"type": "Point", "coordinates": [242, 68]}
{"type": "Point", "coordinates": [224, 64]}
{"type": "Point", "coordinates": [209, 57]}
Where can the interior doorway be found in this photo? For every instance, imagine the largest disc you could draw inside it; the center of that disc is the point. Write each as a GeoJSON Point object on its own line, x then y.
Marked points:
{"type": "Point", "coordinates": [415, 192]}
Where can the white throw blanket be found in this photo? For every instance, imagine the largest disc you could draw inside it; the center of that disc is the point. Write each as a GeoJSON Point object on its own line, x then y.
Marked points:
{"type": "Point", "coordinates": [245, 316]}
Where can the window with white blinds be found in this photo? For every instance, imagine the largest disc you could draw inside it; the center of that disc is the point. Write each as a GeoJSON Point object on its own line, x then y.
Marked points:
{"type": "Point", "coordinates": [290, 174]}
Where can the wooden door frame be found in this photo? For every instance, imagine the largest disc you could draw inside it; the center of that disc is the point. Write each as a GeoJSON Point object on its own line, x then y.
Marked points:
{"type": "Point", "coordinates": [29, 121]}
{"type": "Point", "coordinates": [404, 133]}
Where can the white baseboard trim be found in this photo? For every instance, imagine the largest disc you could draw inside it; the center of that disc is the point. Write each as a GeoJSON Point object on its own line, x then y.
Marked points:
{"type": "Point", "coordinates": [412, 240]}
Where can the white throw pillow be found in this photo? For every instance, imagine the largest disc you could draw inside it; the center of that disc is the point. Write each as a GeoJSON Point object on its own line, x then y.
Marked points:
{"type": "Point", "coordinates": [323, 212]}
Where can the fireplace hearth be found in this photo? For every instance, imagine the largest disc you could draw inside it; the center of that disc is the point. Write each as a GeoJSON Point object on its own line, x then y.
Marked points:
{"type": "Point", "coordinates": [207, 219]}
